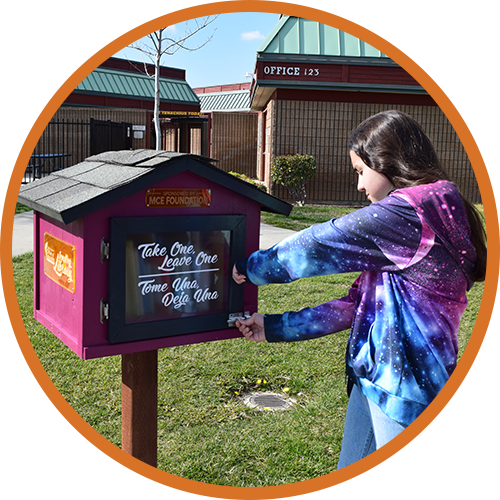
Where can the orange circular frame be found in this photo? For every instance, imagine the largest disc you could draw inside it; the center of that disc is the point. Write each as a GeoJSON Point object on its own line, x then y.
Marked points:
{"type": "Point", "coordinates": [323, 483]}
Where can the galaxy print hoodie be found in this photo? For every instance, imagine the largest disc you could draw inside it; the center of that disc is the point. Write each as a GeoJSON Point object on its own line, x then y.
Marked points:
{"type": "Point", "coordinates": [415, 256]}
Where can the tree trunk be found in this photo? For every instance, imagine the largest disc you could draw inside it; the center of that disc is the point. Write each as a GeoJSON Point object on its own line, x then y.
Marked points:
{"type": "Point", "coordinates": [157, 96]}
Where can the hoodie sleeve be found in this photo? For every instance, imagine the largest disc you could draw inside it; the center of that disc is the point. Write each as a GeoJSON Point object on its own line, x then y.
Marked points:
{"type": "Point", "coordinates": [385, 236]}
{"type": "Point", "coordinates": [310, 323]}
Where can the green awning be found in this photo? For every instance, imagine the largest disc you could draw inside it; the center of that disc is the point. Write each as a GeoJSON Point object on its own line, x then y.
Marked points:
{"type": "Point", "coordinates": [445, 39]}
{"type": "Point", "coordinates": [104, 81]}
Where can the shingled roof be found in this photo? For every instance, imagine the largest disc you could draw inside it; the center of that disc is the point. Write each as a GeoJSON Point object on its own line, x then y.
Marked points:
{"type": "Point", "coordinates": [103, 179]}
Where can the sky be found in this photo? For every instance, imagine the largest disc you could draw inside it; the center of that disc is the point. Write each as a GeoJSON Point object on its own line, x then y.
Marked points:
{"type": "Point", "coordinates": [229, 55]}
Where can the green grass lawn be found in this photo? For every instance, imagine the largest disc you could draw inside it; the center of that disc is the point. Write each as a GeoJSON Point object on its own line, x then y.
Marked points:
{"type": "Point", "coordinates": [205, 432]}
{"type": "Point", "coordinates": [303, 217]}
{"type": "Point", "coordinates": [20, 208]}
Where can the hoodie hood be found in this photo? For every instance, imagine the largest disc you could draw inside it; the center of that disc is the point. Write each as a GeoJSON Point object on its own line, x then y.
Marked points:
{"type": "Point", "coordinates": [440, 205]}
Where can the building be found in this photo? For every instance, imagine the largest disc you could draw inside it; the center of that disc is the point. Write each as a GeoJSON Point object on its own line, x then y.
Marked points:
{"type": "Point", "coordinates": [233, 126]}
{"type": "Point", "coordinates": [313, 84]}
{"type": "Point", "coordinates": [112, 109]}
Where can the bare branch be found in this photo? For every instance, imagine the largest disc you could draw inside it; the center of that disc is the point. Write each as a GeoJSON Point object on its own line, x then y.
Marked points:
{"type": "Point", "coordinates": [168, 44]}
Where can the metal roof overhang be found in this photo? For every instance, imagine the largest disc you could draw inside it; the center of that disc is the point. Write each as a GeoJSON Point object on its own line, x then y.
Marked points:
{"type": "Point", "coordinates": [238, 100]}
{"type": "Point", "coordinates": [434, 42]}
{"type": "Point", "coordinates": [319, 59]}
{"type": "Point", "coordinates": [131, 85]}
{"type": "Point", "coordinates": [133, 98]}
{"type": "Point", "coordinates": [440, 38]}
{"type": "Point", "coordinates": [263, 89]}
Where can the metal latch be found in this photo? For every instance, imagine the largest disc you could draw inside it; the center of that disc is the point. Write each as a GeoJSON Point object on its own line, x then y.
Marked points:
{"type": "Point", "coordinates": [233, 317]}
{"type": "Point", "coordinates": [104, 311]}
{"type": "Point", "coordinates": [104, 250]}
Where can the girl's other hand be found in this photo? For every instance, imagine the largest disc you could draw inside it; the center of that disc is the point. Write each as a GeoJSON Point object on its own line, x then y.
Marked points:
{"type": "Point", "coordinates": [238, 277]}
{"type": "Point", "coordinates": [253, 327]}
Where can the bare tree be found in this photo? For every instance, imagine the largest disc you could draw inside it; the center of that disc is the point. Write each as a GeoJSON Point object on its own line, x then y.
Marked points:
{"type": "Point", "coordinates": [166, 42]}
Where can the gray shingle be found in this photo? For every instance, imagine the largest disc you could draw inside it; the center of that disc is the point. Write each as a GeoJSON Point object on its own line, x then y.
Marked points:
{"type": "Point", "coordinates": [161, 158]}
{"type": "Point", "coordinates": [129, 158]}
{"type": "Point", "coordinates": [78, 169]}
{"type": "Point", "coordinates": [45, 187]}
{"type": "Point", "coordinates": [71, 197]}
{"type": "Point", "coordinates": [106, 178]}
{"type": "Point", "coordinates": [109, 176]}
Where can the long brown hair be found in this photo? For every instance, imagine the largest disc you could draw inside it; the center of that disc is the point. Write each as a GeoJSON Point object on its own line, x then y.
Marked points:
{"type": "Point", "coordinates": [394, 144]}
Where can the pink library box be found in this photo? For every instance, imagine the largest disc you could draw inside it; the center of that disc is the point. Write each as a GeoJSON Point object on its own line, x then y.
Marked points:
{"type": "Point", "coordinates": [133, 251]}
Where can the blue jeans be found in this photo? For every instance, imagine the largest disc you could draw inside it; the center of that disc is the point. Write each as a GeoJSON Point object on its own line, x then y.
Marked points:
{"type": "Point", "coordinates": [368, 428]}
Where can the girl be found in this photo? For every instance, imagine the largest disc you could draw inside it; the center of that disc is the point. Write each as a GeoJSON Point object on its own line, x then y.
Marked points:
{"type": "Point", "coordinates": [419, 247]}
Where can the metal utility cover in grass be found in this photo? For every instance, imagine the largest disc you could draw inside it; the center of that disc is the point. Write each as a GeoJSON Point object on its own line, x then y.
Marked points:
{"type": "Point", "coordinates": [267, 400]}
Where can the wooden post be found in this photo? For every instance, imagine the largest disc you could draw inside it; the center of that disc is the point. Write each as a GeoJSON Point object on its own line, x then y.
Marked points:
{"type": "Point", "coordinates": [140, 405]}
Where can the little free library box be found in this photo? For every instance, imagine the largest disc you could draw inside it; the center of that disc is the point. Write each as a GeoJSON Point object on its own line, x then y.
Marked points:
{"type": "Point", "coordinates": [134, 251]}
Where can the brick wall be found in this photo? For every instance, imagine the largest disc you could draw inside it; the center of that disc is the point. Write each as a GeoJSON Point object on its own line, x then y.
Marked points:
{"type": "Point", "coordinates": [234, 142]}
{"type": "Point", "coordinates": [322, 129]}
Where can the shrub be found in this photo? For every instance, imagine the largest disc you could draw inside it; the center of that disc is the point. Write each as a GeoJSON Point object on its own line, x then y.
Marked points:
{"type": "Point", "coordinates": [255, 182]}
{"type": "Point", "coordinates": [292, 171]}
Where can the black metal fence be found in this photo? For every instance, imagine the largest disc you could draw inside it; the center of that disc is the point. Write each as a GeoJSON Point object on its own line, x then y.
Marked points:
{"type": "Point", "coordinates": [68, 142]}
{"type": "Point", "coordinates": [63, 143]}
{"type": "Point", "coordinates": [106, 135]}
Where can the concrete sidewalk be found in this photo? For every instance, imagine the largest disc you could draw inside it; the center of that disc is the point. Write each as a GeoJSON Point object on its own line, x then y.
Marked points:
{"type": "Point", "coordinates": [22, 234]}
{"type": "Point", "coordinates": [22, 237]}
{"type": "Point", "coordinates": [270, 235]}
